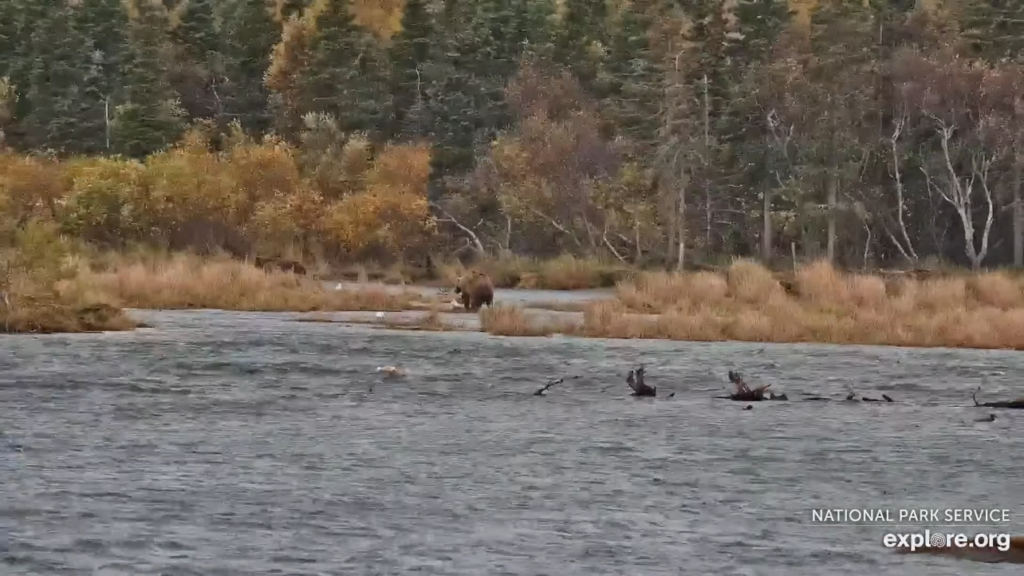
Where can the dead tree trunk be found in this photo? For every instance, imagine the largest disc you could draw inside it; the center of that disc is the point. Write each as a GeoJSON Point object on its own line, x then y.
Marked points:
{"type": "Point", "coordinates": [959, 193]}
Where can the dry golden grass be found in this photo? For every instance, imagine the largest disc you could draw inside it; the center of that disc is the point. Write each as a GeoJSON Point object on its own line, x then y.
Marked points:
{"type": "Point", "coordinates": [183, 281]}
{"type": "Point", "coordinates": [512, 321]}
{"type": "Point", "coordinates": [429, 322]}
{"type": "Point", "coordinates": [747, 302]}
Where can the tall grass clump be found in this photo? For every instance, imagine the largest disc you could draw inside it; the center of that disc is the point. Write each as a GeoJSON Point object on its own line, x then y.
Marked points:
{"type": "Point", "coordinates": [184, 281]}
{"type": "Point", "coordinates": [513, 321]}
{"type": "Point", "coordinates": [816, 303]}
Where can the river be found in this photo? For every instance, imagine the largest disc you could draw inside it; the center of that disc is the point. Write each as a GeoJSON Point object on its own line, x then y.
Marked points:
{"type": "Point", "coordinates": [222, 443]}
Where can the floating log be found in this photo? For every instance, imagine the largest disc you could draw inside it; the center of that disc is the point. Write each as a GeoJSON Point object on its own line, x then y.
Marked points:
{"type": "Point", "coordinates": [1017, 404]}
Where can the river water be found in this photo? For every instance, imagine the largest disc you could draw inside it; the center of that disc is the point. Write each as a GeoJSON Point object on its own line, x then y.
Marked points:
{"type": "Point", "coordinates": [235, 444]}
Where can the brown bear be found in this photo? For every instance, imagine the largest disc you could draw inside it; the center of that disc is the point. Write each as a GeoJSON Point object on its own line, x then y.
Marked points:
{"type": "Point", "coordinates": [291, 266]}
{"type": "Point", "coordinates": [268, 264]}
{"type": "Point", "coordinates": [476, 289]}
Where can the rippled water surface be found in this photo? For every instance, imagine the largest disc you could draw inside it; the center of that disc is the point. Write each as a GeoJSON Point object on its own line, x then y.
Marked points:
{"type": "Point", "coordinates": [223, 443]}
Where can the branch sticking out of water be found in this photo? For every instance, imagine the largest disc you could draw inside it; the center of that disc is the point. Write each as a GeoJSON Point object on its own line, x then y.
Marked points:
{"type": "Point", "coordinates": [743, 392]}
{"type": "Point", "coordinates": [635, 380]}
{"type": "Point", "coordinates": [1017, 404]}
{"type": "Point", "coordinates": [543, 389]}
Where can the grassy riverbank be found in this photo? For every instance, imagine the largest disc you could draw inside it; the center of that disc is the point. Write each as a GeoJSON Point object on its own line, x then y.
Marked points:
{"type": "Point", "coordinates": [817, 303]}
{"type": "Point", "coordinates": [39, 292]}
{"type": "Point", "coordinates": [743, 301]}
{"type": "Point", "coordinates": [182, 281]}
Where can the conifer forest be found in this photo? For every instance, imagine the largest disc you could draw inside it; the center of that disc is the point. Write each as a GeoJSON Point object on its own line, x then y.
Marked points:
{"type": "Point", "coordinates": [875, 133]}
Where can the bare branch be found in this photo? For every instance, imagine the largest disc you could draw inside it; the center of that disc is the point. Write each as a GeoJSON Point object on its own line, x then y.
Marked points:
{"type": "Point", "coordinates": [473, 237]}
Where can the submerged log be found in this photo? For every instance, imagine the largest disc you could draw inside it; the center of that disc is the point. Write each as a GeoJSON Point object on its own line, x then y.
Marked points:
{"type": "Point", "coordinates": [1017, 404]}
{"type": "Point", "coordinates": [635, 380]}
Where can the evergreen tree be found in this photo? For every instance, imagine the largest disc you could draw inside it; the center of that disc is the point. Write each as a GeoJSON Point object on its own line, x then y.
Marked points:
{"type": "Point", "coordinates": [411, 50]}
{"type": "Point", "coordinates": [64, 86]}
{"type": "Point", "coordinates": [104, 23]}
{"type": "Point", "coordinates": [995, 29]}
{"type": "Point", "coordinates": [249, 34]}
{"type": "Point", "coordinates": [346, 75]}
{"type": "Point", "coordinates": [198, 33]}
{"type": "Point", "coordinates": [150, 118]}
{"type": "Point", "coordinates": [583, 28]}
{"type": "Point", "coordinates": [635, 83]}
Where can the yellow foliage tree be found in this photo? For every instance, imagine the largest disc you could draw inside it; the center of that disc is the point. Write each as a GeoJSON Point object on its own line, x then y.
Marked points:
{"type": "Point", "coordinates": [30, 187]}
{"type": "Point", "coordinates": [260, 171]}
{"type": "Point", "coordinates": [189, 183]}
{"type": "Point", "coordinates": [287, 61]}
{"type": "Point", "coordinates": [287, 220]}
{"type": "Point", "coordinates": [107, 200]}
{"type": "Point", "coordinates": [392, 212]}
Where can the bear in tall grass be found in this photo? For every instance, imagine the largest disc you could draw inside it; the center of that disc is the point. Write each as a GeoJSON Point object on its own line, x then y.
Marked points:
{"type": "Point", "coordinates": [280, 264]}
{"type": "Point", "coordinates": [475, 290]}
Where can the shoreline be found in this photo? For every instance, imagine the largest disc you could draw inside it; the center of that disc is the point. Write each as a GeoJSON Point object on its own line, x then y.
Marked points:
{"type": "Point", "coordinates": [745, 302]}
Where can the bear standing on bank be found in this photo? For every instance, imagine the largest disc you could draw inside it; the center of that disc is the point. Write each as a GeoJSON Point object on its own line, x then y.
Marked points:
{"type": "Point", "coordinates": [475, 290]}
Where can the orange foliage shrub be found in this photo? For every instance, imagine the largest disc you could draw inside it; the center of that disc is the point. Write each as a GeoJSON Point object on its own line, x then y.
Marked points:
{"type": "Point", "coordinates": [255, 187]}
{"type": "Point", "coordinates": [392, 211]}
{"type": "Point", "coordinates": [188, 182]}
{"type": "Point", "coordinates": [29, 187]}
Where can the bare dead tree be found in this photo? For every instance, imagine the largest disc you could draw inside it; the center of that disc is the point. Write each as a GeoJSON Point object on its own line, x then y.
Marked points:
{"type": "Point", "coordinates": [472, 236]}
{"type": "Point", "coordinates": [959, 191]}
{"type": "Point", "coordinates": [903, 243]}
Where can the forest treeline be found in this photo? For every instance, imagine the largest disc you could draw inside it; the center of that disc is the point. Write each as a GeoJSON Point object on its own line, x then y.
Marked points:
{"type": "Point", "coordinates": [656, 132]}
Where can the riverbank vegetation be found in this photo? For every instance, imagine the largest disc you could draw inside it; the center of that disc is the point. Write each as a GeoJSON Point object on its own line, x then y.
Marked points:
{"type": "Point", "coordinates": [184, 281]}
{"type": "Point", "coordinates": [552, 143]}
{"type": "Point", "coordinates": [38, 293]}
{"type": "Point", "coordinates": [639, 133]}
{"type": "Point", "coordinates": [817, 303]}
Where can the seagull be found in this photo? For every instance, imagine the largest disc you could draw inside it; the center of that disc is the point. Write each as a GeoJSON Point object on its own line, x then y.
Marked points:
{"type": "Point", "coordinates": [380, 315]}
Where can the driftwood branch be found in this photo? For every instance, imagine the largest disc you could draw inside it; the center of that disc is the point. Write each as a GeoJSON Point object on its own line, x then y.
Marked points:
{"type": "Point", "coordinates": [635, 380]}
{"type": "Point", "coordinates": [745, 393]}
{"type": "Point", "coordinates": [1017, 404]}
{"type": "Point", "coordinates": [543, 389]}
